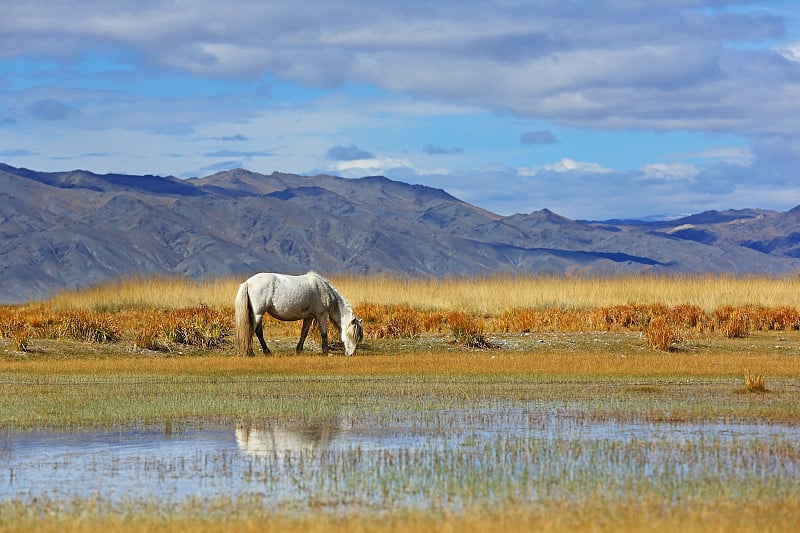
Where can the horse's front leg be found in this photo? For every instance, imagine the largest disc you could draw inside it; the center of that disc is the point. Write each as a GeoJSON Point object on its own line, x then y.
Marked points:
{"type": "Point", "coordinates": [303, 334]}
{"type": "Point", "coordinates": [260, 335]}
{"type": "Point", "coordinates": [322, 323]}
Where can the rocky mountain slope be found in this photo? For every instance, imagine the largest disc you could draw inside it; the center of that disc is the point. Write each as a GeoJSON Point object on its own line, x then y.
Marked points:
{"type": "Point", "coordinates": [70, 229]}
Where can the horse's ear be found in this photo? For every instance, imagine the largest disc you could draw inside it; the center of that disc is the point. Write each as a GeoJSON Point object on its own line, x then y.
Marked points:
{"type": "Point", "coordinates": [355, 321]}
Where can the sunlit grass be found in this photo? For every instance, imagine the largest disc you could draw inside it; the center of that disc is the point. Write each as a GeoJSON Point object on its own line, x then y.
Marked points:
{"type": "Point", "coordinates": [664, 327]}
{"type": "Point", "coordinates": [656, 349]}
{"type": "Point", "coordinates": [754, 382]}
{"type": "Point", "coordinates": [160, 313]}
{"type": "Point", "coordinates": [494, 294]}
{"type": "Point", "coordinates": [489, 295]}
{"type": "Point", "coordinates": [643, 513]}
{"type": "Point", "coordinates": [162, 293]}
{"type": "Point", "coordinates": [106, 387]}
{"type": "Point", "coordinates": [595, 354]}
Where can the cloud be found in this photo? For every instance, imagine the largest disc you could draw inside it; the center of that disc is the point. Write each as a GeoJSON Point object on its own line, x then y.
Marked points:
{"type": "Point", "coordinates": [538, 137]}
{"type": "Point", "coordinates": [691, 65]}
{"type": "Point", "coordinates": [736, 155]}
{"type": "Point", "coordinates": [669, 171]}
{"type": "Point", "coordinates": [790, 51]}
{"type": "Point", "coordinates": [309, 74]}
{"type": "Point", "coordinates": [50, 109]}
{"type": "Point", "coordinates": [20, 152]}
{"type": "Point", "coordinates": [397, 168]}
{"type": "Point", "coordinates": [221, 166]}
{"type": "Point", "coordinates": [235, 153]}
{"type": "Point", "coordinates": [232, 138]}
{"type": "Point", "coordinates": [571, 189]}
{"type": "Point", "coordinates": [347, 153]}
{"type": "Point", "coordinates": [566, 165]}
{"type": "Point", "coordinates": [372, 165]}
{"type": "Point", "coordinates": [432, 149]}
{"type": "Point", "coordinates": [87, 155]}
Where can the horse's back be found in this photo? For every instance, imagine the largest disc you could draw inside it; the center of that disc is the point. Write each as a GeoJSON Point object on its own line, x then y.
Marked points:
{"type": "Point", "coordinates": [288, 297]}
{"type": "Point", "coordinates": [262, 278]}
{"type": "Point", "coordinates": [268, 278]}
{"type": "Point", "coordinates": [260, 286]}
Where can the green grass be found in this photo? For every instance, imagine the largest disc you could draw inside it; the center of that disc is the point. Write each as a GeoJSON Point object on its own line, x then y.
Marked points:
{"type": "Point", "coordinates": [81, 400]}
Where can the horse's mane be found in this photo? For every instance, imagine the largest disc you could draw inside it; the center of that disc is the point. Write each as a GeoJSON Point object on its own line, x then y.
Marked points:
{"type": "Point", "coordinates": [334, 296]}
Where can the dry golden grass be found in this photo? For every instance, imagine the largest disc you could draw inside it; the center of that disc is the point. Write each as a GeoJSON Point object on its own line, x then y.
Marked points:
{"type": "Point", "coordinates": [574, 355]}
{"type": "Point", "coordinates": [645, 513]}
{"type": "Point", "coordinates": [659, 334]}
{"type": "Point", "coordinates": [468, 331]}
{"type": "Point", "coordinates": [489, 295]}
{"type": "Point", "coordinates": [754, 382]}
{"type": "Point", "coordinates": [152, 329]}
{"type": "Point", "coordinates": [162, 313]}
{"type": "Point", "coordinates": [162, 293]}
{"type": "Point", "coordinates": [590, 333]}
{"type": "Point", "coordinates": [493, 295]}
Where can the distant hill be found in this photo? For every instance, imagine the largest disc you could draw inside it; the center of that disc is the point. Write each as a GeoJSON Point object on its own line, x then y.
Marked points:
{"type": "Point", "coordinates": [71, 229]}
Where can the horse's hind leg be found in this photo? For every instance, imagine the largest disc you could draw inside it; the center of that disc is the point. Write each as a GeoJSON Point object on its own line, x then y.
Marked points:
{"type": "Point", "coordinates": [260, 335]}
{"type": "Point", "coordinates": [303, 334]}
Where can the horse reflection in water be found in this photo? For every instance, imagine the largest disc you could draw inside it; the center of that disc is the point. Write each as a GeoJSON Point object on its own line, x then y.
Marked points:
{"type": "Point", "coordinates": [291, 440]}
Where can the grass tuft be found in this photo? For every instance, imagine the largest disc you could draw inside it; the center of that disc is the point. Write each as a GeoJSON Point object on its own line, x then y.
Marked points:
{"type": "Point", "coordinates": [660, 335]}
{"type": "Point", "coordinates": [202, 326]}
{"type": "Point", "coordinates": [88, 326]}
{"type": "Point", "coordinates": [468, 331]}
{"type": "Point", "coordinates": [733, 322]}
{"type": "Point", "coordinates": [394, 322]}
{"type": "Point", "coordinates": [754, 383]}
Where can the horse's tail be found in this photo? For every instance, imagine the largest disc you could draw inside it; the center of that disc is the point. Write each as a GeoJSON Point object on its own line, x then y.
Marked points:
{"type": "Point", "coordinates": [243, 316]}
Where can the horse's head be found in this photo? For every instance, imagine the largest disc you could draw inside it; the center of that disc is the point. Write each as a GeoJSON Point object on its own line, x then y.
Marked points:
{"type": "Point", "coordinates": [352, 334]}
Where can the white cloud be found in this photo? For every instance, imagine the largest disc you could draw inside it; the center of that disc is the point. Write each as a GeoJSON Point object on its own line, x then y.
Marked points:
{"type": "Point", "coordinates": [649, 65]}
{"type": "Point", "coordinates": [734, 155]}
{"type": "Point", "coordinates": [291, 80]}
{"type": "Point", "coordinates": [790, 51]}
{"type": "Point", "coordinates": [669, 171]}
{"type": "Point", "coordinates": [566, 165]}
{"type": "Point", "coordinates": [374, 164]}
{"type": "Point", "coordinates": [382, 165]}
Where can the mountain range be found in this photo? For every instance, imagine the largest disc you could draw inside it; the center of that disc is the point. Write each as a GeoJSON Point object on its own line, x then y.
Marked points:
{"type": "Point", "coordinates": [63, 230]}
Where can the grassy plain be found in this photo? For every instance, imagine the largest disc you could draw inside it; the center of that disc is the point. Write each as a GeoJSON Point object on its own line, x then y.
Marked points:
{"type": "Point", "coordinates": [157, 352]}
{"type": "Point", "coordinates": [613, 376]}
{"type": "Point", "coordinates": [477, 295]}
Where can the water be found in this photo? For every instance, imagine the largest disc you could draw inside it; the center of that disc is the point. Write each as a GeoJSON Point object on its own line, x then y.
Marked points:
{"type": "Point", "coordinates": [405, 459]}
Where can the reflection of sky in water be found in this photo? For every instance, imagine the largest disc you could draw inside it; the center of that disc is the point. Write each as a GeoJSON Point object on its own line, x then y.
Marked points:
{"type": "Point", "coordinates": [406, 458]}
{"type": "Point", "coordinates": [119, 465]}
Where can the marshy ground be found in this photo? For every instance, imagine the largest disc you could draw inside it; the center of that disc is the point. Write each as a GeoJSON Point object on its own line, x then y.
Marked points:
{"type": "Point", "coordinates": [546, 418]}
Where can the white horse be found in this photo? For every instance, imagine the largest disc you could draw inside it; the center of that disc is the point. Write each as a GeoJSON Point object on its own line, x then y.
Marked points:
{"type": "Point", "coordinates": [308, 297]}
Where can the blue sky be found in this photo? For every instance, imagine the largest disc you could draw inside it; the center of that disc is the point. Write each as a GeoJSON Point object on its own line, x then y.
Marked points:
{"type": "Point", "coordinates": [595, 110]}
